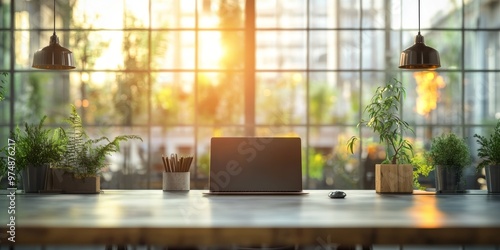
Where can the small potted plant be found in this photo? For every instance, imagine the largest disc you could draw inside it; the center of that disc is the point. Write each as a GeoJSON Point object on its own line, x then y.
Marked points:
{"type": "Point", "coordinates": [395, 174]}
{"type": "Point", "coordinates": [84, 157]}
{"type": "Point", "coordinates": [449, 155]}
{"type": "Point", "coordinates": [36, 149]}
{"type": "Point", "coordinates": [489, 152]}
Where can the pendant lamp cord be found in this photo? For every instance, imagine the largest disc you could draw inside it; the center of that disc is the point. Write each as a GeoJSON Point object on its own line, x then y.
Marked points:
{"type": "Point", "coordinates": [55, 17]}
{"type": "Point", "coordinates": [418, 16]}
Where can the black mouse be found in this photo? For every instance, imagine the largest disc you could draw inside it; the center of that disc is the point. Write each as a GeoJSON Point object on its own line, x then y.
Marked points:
{"type": "Point", "coordinates": [337, 194]}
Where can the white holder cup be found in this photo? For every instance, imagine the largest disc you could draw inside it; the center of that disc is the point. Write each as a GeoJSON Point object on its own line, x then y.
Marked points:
{"type": "Point", "coordinates": [176, 181]}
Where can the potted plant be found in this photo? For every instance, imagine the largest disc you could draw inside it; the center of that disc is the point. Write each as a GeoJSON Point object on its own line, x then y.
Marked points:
{"type": "Point", "coordinates": [84, 157]}
{"type": "Point", "coordinates": [36, 149]}
{"type": "Point", "coordinates": [449, 155]}
{"type": "Point", "coordinates": [489, 152]}
{"type": "Point", "coordinates": [395, 174]}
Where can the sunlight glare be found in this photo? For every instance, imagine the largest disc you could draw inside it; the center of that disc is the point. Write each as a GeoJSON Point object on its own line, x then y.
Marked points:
{"type": "Point", "coordinates": [85, 77]}
{"type": "Point", "coordinates": [211, 51]}
{"type": "Point", "coordinates": [98, 14]}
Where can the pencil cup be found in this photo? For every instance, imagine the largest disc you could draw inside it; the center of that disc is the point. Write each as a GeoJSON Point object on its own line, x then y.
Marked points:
{"type": "Point", "coordinates": [175, 181]}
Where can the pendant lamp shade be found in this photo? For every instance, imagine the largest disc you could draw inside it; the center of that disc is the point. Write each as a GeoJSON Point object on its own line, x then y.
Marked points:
{"type": "Point", "coordinates": [54, 56]}
{"type": "Point", "coordinates": [419, 56]}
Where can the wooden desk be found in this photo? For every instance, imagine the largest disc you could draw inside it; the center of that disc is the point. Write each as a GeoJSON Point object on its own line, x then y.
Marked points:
{"type": "Point", "coordinates": [153, 217]}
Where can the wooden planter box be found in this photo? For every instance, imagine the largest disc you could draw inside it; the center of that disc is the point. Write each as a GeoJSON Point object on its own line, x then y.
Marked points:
{"type": "Point", "coordinates": [87, 185]}
{"type": "Point", "coordinates": [394, 178]}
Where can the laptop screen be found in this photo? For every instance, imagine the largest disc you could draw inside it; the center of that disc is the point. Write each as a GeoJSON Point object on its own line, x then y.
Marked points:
{"type": "Point", "coordinates": [255, 164]}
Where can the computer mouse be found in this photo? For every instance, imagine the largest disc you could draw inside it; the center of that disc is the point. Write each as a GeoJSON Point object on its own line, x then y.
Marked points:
{"type": "Point", "coordinates": [337, 194]}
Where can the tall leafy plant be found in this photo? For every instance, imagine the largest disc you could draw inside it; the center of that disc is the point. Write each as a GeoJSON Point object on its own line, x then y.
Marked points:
{"type": "Point", "coordinates": [489, 148]}
{"type": "Point", "coordinates": [384, 120]}
{"type": "Point", "coordinates": [85, 157]}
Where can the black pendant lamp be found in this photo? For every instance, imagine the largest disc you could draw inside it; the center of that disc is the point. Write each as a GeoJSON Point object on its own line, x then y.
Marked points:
{"type": "Point", "coordinates": [419, 56]}
{"type": "Point", "coordinates": [54, 56]}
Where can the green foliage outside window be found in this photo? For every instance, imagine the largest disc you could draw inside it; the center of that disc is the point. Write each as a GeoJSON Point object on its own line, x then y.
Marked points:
{"type": "Point", "coordinates": [3, 81]}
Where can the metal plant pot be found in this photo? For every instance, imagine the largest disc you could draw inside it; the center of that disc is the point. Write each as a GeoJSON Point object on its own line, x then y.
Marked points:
{"type": "Point", "coordinates": [449, 179]}
{"type": "Point", "coordinates": [493, 179]}
{"type": "Point", "coordinates": [33, 178]}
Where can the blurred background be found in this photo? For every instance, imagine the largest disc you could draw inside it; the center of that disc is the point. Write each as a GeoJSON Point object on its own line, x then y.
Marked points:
{"type": "Point", "coordinates": [179, 72]}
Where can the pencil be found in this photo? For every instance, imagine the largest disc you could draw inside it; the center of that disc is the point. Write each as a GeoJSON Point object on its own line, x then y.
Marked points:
{"type": "Point", "coordinates": [174, 163]}
{"type": "Point", "coordinates": [168, 164]}
{"type": "Point", "coordinates": [164, 163]}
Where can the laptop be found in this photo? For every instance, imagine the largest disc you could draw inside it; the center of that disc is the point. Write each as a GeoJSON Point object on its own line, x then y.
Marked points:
{"type": "Point", "coordinates": [255, 165]}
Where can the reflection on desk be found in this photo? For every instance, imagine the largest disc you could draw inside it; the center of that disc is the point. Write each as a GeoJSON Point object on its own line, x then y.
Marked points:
{"type": "Point", "coordinates": [153, 217]}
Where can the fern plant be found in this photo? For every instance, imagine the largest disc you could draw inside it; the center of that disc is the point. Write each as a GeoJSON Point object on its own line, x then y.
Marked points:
{"type": "Point", "coordinates": [76, 136]}
{"type": "Point", "coordinates": [85, 157]}
{"type": "Point", "coordinates": [384, 119]}
{"type": "Point", "coordinates": [489, 148]}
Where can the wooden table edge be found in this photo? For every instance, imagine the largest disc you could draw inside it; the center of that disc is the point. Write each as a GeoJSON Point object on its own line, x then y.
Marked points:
{"type": "Point", "coordinates": [248, 236]}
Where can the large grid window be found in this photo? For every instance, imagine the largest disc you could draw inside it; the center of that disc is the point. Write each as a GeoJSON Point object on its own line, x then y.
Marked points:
{"type": "Point", "coordinates": [179, 72]}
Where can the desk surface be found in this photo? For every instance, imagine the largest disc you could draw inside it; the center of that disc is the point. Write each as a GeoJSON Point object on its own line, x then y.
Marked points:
{"type": "Point", "coordinates": [155, 217]}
